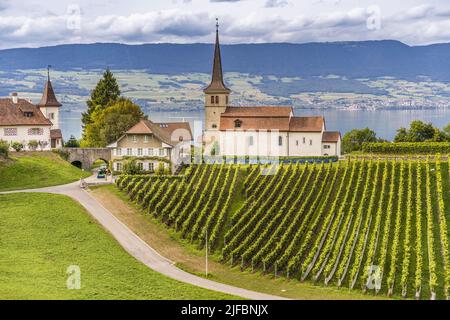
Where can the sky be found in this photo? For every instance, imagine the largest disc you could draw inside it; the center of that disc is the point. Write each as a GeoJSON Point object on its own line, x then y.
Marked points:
{"type": "Point", "coordinates": [33, 23]}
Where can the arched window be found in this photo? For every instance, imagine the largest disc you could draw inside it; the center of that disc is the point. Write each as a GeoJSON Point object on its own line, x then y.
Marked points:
{"type": "Point", "coordinates": [217, 99]}
{"type": "Point", "coordinates": [237, 123]}
{"type": "Point", "coordinates": [212, 99]}
{"type": "Point", "coordinates": [214, 126]}
{"type": "Point", "coordinates": [280, 141]}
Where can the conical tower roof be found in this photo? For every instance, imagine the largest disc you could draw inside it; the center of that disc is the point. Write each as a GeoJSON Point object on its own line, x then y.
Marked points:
{"type": "Point", "coordinates": [217, 84]}
{"type": "Point", "coordinates": [49, 97]}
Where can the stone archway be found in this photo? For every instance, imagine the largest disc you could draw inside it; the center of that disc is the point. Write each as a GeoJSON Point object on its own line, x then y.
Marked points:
{"type": "Point", "coordinates": [87, 156]}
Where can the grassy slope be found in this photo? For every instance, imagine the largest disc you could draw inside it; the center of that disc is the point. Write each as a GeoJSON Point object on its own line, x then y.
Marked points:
{"type": "Point", "coordinates": [41, 235]}
{"type": "Point", "coordinates": [189, 258]}
{"type": "Point", "coordinates": [37, 170]}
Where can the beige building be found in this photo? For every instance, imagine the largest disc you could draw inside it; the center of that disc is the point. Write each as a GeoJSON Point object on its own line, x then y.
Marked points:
{"type": "Point", "coordinates": [152, 143]}
{"type": "Point", "coordinates": [261, 130]}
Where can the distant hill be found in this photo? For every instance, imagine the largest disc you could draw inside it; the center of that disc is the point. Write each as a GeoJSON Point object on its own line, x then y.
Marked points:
{"type": "Point", "coordinates": [366, 59]}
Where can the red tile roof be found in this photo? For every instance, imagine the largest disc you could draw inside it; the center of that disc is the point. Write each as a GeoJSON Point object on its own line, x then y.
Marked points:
{"type": "Point", "coordinates": [258, 111]}
{"type": "Point", "coordinates": [331, 136]}
{"type": "Point", "coordinates": [160, 130]}
{"type": "Point", "coordinates": [55, 134]}
{"type": "Point", "coordinates": [306, 124]}
{"type": "Point", "coordinates": [12, 114]}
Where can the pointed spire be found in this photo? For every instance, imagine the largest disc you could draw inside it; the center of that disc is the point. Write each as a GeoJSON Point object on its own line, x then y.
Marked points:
{"type": "Point", "coordinates": [49, 97]}
{"type": "Point", "coordinates": [217, 84]}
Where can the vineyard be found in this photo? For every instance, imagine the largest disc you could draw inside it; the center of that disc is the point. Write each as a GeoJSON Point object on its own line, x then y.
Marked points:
{"type": "Point", "coordinates": [379, 226]}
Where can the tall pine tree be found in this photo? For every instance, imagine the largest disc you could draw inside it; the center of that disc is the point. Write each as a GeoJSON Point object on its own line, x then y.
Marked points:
{"type": "Point", "coordinates": [105, 93]}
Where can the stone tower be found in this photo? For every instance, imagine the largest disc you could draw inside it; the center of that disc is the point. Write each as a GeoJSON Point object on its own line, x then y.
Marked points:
{"type": "Point", "coordinates": [216, 94]}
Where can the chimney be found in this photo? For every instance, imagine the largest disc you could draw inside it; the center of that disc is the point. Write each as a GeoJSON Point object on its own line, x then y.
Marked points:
{"type": "Point", "coordinates": [15, 97]}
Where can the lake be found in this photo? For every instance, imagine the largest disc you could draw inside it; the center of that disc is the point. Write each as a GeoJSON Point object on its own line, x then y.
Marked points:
{"type": "Point", "coordinates": [384, 122]}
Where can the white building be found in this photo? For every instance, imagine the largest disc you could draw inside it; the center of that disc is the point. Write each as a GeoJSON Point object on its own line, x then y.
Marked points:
{"type": "Point", "coordinates": [22, 121]}
{"type": "Point", "coordinates": [262, 130]}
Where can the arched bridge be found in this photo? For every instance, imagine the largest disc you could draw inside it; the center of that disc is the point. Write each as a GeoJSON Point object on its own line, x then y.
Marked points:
{"type": "Point", "coordinates": [85, 157]}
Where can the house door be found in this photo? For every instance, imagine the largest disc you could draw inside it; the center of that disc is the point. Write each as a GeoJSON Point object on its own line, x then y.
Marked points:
{"type": "Point", "coordinates": [53, 143]}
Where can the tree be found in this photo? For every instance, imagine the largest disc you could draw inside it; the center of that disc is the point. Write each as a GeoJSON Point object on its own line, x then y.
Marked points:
{"type": "Point", "coordinates": [446, 131]}
{"type": "Point", "coordinates": [105, 93]}
{"type": "Point", "coordinates": [17, 146]}
{"type": "Point", "coordinates": [109, 124]}
{"type": "Point", "coordinates": [418, 132]}
{"type": "Point", "coordinates": [131, 167]}
{"type": "Point", "coordinates": [354, 139]}
{"type": "Point", "coordinates": [72, 143]}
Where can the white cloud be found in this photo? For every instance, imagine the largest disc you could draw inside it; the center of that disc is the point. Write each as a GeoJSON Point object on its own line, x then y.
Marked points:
{"type": "Point", "coordinates": [188, 23]}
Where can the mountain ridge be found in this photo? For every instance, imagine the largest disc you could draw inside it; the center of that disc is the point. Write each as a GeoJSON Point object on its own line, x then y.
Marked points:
{"type": "Point", "coordinates": [351, 59]}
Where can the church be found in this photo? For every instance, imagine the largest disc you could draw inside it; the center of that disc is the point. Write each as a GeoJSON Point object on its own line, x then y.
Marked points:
{"type": "Point", "coordinates": [264, 131]}
{"type": "Point", "coordinates": [36, 127]}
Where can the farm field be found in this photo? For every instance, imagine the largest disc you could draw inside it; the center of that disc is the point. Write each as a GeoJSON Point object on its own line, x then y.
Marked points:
{"type": "Point", "coordinates": [330, 224]}
{"type": "Point", "coordinates": [42, 235]}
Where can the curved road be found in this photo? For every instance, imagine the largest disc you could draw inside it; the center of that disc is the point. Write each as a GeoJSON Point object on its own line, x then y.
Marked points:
{"type": "Point", "coordinates": [140, 249]}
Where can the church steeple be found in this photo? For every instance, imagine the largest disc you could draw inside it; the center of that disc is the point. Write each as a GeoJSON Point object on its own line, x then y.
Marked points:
{"type": "Point", "coordinates": [49, 97]}
{"type": "Point", "coordinates": [217, 84]}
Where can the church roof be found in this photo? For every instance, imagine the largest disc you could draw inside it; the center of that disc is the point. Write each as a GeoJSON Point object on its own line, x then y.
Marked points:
{"type": "Point", "coordinates": [13, 114]}
{"type": "Point", "coordinates": [331, 136]}
{"type": "Point", "coordinates": [217, 84]}
{"type": "Point", "coordinates": [307, 124]}
{"type": "Point", "coordinates": [268, 118]}
{"type": "Point", "coordinates": [258, 111]}
{"type": "Point", "coordinates": [49, 97]}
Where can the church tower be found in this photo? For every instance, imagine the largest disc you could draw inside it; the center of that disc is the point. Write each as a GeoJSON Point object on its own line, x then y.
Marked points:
{"type": "Point", "coordinates": [49, 105]}
{"type": "Point", "coordinates": [216, 94]}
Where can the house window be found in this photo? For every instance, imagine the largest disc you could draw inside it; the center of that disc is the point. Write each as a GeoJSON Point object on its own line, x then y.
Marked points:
{"type": "Point", "coordinates": [304, 140]}
{"type": "Point", "coordinates": [10, 132]}
{"type": "Point", "coordinates": [310, 142]}
{"type": "Point", "coordinates": [251, 141]}
{"type": "Point", "coordinates": [217, 99]}
{"type": "Point", "coordinates": [35, 132]}
{"type": "Point", "coordinates": [212, 99]}
{"type": "Point", "coordinates": [151, 166]}
{"type": "Point", "coordinates": [129, 152]}
{"type": "Point", "coordinates": [140, 166]}
{"type": "Point", "coordinates": [118, 166]}
{"type": "Point", "coordinates": [28, 114]}
{"type": "Point", "coordinates": [280, 141]}
{"type": "Point", "coordinates": [181, 139]}
{"type": "Point", "coordinates": [118, 152]}
{"type": "Point", "coordinates": [140, 152]}
{"type": "Point", "coordinates": [134, 138]}
{"type": "Point", "coordinates": [162, 152]}
{"type": "Point", "coordinates": [327, 146]}
{"type": "Point", "coordinates": [238, 123]}
{"type": "Point", "coordinates": [227, 99]}
{"type": "Point", "coordinates": [146, 138]}
{"type": "Point", "coordinates": [150, 152]}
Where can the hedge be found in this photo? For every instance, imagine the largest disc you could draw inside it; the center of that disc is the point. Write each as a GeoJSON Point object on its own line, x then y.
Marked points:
{"type": "Point", "coordinates": [407, 147]}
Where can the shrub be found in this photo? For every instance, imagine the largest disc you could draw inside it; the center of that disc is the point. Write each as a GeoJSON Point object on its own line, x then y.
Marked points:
{"type": "Point", "coordinates": [33, 145]}
{"type": "Point", "coordinates": [63, 154]}
{"type": "Point", "coordinates": [131, 167]}
{"type": "Point", "coordinates": [160, 170]}
{"type": "Point", "coordinates": [4, 148]}
{"type": "Point", "coordinates": [407, 147]}
{"type": "Point", "coordinates": [17, 146]}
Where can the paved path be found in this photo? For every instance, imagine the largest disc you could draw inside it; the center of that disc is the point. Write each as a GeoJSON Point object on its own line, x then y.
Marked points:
{"type": "Point", "coordinates": [140, 249]}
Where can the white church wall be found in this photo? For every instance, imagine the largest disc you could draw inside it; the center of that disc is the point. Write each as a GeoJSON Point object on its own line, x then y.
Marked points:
{"type": "Point", "coordinates": [304, 144]}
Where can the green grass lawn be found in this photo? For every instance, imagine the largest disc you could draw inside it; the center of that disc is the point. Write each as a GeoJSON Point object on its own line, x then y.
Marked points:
{"type": "Point", "coordinates": [42, 235]}
{"type": "Point", "coordinates": [37, 170]}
